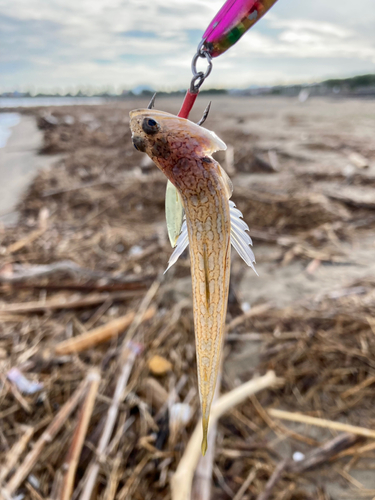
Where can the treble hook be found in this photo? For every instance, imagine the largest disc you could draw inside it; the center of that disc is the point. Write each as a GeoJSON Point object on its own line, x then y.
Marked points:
{"type": "Point", "coordinates": [152, 102]}
{"type": "Point", "coordinates": [205, 114]}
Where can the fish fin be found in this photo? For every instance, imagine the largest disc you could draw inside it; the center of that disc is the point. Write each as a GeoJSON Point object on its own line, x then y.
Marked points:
{"type": "Point", "coordinates": [214, 142]}
{"type": "Point", "coordinates": [182, 243]}
{"type": "Point", "coordinates": [174, 213]}
{"type": "Point", "coordinates": [239, 238]}
{"type": "Point", "coordinates": [227, 182]}
{"type": "Point", "coordinates": [205, 434]}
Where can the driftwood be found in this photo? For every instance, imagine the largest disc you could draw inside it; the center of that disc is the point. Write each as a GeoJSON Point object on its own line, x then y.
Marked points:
{"type": "Point", "coordinates": [67, 302]}
{"type": "Point", "coordinates": [71, 462]}
{"type": "Point", "coordinates": [127, 357]}
{"type": "Point", "coordinates": [100, 334]}
{"type": "Point", "coordinates": [22, 273]}
{"type": "Point", "coordinates": [47, 436]}
{"type": "Point", "coordinates": [182, 480]}
{"type": "Point", "coordinates": [320, 422]}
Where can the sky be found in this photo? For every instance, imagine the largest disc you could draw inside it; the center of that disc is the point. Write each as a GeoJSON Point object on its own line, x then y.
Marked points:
{"type": "Point", "coordinates": [66, 45]}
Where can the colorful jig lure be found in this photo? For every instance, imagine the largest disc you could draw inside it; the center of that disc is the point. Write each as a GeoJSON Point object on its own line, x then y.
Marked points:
{"type": "Point", "coordinates": [231, 22]}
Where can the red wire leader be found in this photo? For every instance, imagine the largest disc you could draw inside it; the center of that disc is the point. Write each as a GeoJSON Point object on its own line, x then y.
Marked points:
{"type": "Point", "coordinates": [230, 23]}
{"type": "Point", "coordinates": [188, 103]}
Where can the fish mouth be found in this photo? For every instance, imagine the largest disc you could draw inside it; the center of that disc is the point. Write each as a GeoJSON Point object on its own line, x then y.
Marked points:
{"type": "Point", "coordinates": [139, 143]}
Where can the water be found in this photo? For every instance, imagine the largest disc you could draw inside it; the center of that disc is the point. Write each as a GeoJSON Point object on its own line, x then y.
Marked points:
{"type": "Point", "coordinates": [7, 121]}
{"type": "Point", "coordinates": [30, 102]}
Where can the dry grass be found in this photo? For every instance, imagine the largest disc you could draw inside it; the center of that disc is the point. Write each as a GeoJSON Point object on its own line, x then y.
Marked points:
{"type": "Point", "coordinates": [101, 212]}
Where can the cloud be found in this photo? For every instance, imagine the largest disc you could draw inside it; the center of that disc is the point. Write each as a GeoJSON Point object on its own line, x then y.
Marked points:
{"type": "Point", "coordinates": [69, 44]}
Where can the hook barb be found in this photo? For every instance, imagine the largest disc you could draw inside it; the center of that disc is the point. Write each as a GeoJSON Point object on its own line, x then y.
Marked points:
{"type": "Point", "coordinates": [152, 102]}
{"type": "Point", "coordinates": [205, 114]}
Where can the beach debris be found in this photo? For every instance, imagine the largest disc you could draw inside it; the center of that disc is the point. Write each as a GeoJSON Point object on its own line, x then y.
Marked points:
{"type": "Point", "coordinates": [358, 160]}
{"type": "Point", "coordinates": [322, 344]}
{"type": "Point", "coordinates": [69, 120]}
{"type": "Point", "coordinates": [24, 385]}
{"type": "Point", "coordinates": [159, 365]}
{"type": "Point", "coordinates": [47, 120]}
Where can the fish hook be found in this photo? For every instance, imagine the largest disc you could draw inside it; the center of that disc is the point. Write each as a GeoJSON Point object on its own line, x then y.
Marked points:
{"type": "Point", "coordinates": [205, 114]}
{"type": "Point", "coordinates": [152, 102]}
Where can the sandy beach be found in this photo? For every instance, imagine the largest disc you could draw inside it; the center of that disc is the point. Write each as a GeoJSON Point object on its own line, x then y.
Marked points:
{"type": "Point", "coordinates": [90, 247]}
{"type": "Point", "coordinates": [19, 163]}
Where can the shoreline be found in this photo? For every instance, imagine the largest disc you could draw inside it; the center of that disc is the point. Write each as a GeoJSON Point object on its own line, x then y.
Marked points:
{"type": "Point", "coordinates": [19, 163]}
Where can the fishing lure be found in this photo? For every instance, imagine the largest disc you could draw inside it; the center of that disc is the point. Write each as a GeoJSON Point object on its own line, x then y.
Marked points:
{"type": "Point", "coordinates": [202, 216]}
{"type": "Point", "coordinates": [231, 22]}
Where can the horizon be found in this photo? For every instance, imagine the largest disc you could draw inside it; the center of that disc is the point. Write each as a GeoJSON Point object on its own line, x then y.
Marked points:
{"type": "Point", "coordinates": [146, 90]}
{"type": "Point", "coordinates": [65, 47]}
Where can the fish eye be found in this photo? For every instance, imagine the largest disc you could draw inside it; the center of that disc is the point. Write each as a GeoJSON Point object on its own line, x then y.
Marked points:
{"type": "Point", "coordinates": [150, 126]}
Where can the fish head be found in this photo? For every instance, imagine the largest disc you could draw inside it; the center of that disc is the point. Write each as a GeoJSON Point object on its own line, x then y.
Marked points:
{"type": "Point", "coordinates": [164, 136]}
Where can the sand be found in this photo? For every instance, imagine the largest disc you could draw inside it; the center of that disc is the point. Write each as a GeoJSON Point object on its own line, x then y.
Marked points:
{"type": "Point", "coordinates": [19, 163]}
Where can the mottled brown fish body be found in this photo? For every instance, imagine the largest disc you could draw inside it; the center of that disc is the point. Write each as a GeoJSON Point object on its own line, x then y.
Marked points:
{"type": "Point", "coordinates": [208, 224]}
{"type": "Point", "coordinates": [182, 151]}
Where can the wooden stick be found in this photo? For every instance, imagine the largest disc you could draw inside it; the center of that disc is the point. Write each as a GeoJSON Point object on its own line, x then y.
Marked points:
{"type": "Point", "coordinates": [15, 452]}
{"type": "Point", "coordinates": [356, 451]}
{"type": "Point", "coordinates": [250, 478]}
{"type": "Point", "coordinates": [202, 481]}
{"type": "Point", "coordinates": [320, 422]}
{"type": "Point", "coordinates": [114, 479]}
{"type": "Point", "coordinates": [324, 453]}
{"type": "Point", "coordinates": [25, 273]}
{"type": "Point", "coordinates": [255, 311]}
{"type": "Point", "coordinates": [14, 247]}
{"type": "Point", "coordinates": [100, 334]}
{"type": "Point", "coordinates": [357, 388]}
{"type": "Point", "coordinates": [129, 352]}
{"type": "Point", "coordinates": [275, 477]}
{"type": "Point", "coordinates": [128, 357]}
{"type": "Point", "coordinates": [71, 463]}
{"type": "Point", "coordinates": [146, 301]}
{"type": "Point", "coordinates": [182, 479]}
{"type": "Point", "coordinates": [67, 303]}
{"type": "Point", "coordinates": [47, 436]}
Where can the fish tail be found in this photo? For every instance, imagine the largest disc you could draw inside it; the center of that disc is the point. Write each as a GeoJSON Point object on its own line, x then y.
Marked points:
{"type": "Point", "coordinates": [205, 434]}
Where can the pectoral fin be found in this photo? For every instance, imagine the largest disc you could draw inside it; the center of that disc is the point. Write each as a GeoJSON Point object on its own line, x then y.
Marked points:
{"type": "Point", "coordinates": [182, 243]}
{"type": "Point", "coordinates": [174, 213]}
{"type": "Point", "coordinates": [239, 238]}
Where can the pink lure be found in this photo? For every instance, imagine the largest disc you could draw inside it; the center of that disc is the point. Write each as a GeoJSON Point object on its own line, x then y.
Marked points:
{"type": "Point", "coordinates": [231, 22]}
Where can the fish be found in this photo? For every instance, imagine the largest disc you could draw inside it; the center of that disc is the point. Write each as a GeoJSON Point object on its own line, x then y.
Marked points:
{"type": "Point", "coordinates": [199, 214]}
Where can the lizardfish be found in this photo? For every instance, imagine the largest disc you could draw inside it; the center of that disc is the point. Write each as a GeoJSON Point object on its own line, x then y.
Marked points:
{"type": "Point", "coordinates": [199, 188]}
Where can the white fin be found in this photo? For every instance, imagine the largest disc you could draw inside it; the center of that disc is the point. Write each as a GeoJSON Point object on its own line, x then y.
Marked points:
{"type": "Point", "coordinates": [174, 213]}
{"type": "Point", "coordinates": [182, 243]}
{"type": "Point", "coordinates": [239, 238]}
{"type": "Point", "coordinates": [216, 143]}
{"type": "Point", "coordinates": [213, 142]}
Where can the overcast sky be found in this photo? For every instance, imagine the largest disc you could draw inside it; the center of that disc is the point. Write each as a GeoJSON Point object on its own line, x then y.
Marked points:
{"type": "Point", "coordinates": [64, 45]}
